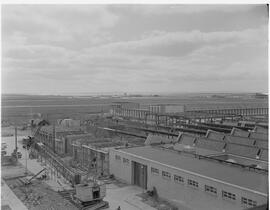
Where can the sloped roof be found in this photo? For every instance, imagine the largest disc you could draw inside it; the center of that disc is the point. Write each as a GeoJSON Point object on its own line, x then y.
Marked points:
{"type": "Point", "coordinates": [262, 144]}
{"type": "Point", "coordinates": [239, 140]}
{"type": "Point", "coordinates": [261, 136]}
{"type": "Point", "coordinates": [242, 150]}
{"type": "Point", "coordinates": [211, 145]}
{"type": "Point", "coordinates": [264, 155]}
{"type": "Point", "coordinates": [260, 129]}
{"type": "Point", "coordinates": [186, 139]}
{"type": "Point", "coordinates": [156, 139]}
{"type": "Point", "coordinates": [215, 135]}
{"type": "Point", "coordinates": [239, 132]}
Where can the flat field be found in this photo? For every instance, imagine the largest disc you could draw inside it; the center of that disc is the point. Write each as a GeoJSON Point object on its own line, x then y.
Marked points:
{"type": "Point", "coordinates": [21, 108]}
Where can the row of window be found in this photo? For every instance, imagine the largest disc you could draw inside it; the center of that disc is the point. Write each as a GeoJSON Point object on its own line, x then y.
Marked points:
{"type": "Point", "coordinates": [166, 175]}
{"type": "Point", "coordinates": [117, 157]}
{"type": "Point", "coordinates": [125, 160]}
{"type": "Point", "coordinates": [248, 202]}
{"type": "Point", "coordinates": [207, 188]}
{"type": "Point", "coordinates": [228, 195]}
{"type": "Point", "coordinates": [193, 183]}
{"type": "Point", "coordinates": [210, 189]}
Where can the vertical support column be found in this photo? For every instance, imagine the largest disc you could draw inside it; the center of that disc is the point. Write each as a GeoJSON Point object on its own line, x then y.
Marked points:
{"type": "Point", "coordinates": [53, 138]}
{"type": "Point", "coordinates": [82, 164]}
{"type": "Point", "coordinates": [16, 144]}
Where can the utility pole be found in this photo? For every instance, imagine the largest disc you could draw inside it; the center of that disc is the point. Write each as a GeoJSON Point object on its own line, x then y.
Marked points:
{"type": "Point", "coordinates": [26, 154]}
{"type": "Point", "coordinates": [16, 146]}
{"type": "Point", "coordinates": [54, 137]}
{"type": "Point", "coordinates": [26, 162]}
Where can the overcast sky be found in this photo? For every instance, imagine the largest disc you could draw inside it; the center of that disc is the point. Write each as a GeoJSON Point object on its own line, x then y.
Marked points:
{"type": "Point", "coordinates": [119, 48]}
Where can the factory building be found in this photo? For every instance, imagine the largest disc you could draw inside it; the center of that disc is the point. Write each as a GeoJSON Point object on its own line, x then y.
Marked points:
{"type": "Point", "coordinates": [118, 106]}
{"type": "Point", "coordinates": [196, 183]}
{"type": "Point", "coordinates": [52, 136]}
{"type": "Point", "coordinates": [224, 171]}
{"type": "Point", "coordinates": [167, 108]}
{"type": "Point", "coordinates": [173, 114]}
{"type": "Point", "coordinates": [70, 139]}
{"type": "Point", "coordinates": [94, 154]}
{"type": "Point", "coordinates": [239, 147]}
{"type": "Point", "coordinates": [69, 122]}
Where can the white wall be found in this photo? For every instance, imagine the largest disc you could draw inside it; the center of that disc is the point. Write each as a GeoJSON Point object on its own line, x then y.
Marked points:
{"type": "Point", "coordinates": [194, 198]}
{"type": "Point", "coordinates": [118, 168]}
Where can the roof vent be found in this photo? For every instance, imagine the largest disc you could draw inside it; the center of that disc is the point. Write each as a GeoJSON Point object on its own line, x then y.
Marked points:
{"type": "Point", "coordinates": [259, 166]}
{"type": "Point", "coordinates": [231, 160]}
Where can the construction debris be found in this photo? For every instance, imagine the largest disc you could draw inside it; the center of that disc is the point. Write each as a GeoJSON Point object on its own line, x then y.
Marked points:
{"type": "Point", "coordinates": [38, 195]}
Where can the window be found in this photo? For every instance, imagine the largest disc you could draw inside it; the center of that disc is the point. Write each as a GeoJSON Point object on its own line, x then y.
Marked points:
{"type": "Point", "coordinates": [248, 202]}
{"type": "Point", "coordinates": [154, 171]}
{"type": "Point", "coordinates": [117, 157]}
{"type": "Point", "coordinates": [193, 183]}
{"type": "Point", "coordinates": [228, 195]}
{"type": "Point", "coordinates": [166, 175]}
{"type": "Point", "coordinates": [126, 161]}
{"type": "Point", "coordinates": [178, 179]}
{"type": "Point", "coordinates": [210, 189]}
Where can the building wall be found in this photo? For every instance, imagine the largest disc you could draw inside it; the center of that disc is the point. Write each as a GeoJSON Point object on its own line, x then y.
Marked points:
{"type": "Point", "coordinates": [167, 108]}
{"type": "Point", "coordinates": [189, 196]}
{"type": "Point", "coordinates": [174, 108]}
{"type": "Point", "coordinates": [69, 123]}
{"type": "Point", "coordinates": [85, 156]}
{"type": "Point", "coordinates": [118, 169]}
{"type": "Point", "coordinates": [60, 146]}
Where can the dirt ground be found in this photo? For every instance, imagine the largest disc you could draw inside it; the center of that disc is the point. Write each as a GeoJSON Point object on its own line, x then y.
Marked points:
{"type": "Point", "coordinates": [157, 203]}
{"type": "Point", "coordinates": [39, 196]}
{"type": "Point", "coordinates": [12, 171]}
{"type": "Point", "coordinates": [10, 131]}
{"type": "Point", "coordinates": [36, 196]}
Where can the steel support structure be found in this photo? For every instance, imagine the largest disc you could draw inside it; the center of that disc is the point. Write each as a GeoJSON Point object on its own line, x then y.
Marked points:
{"type": "Point", "coordinates": [68, 173]}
